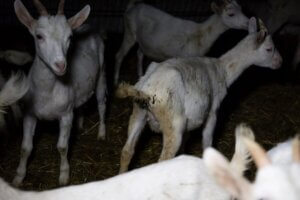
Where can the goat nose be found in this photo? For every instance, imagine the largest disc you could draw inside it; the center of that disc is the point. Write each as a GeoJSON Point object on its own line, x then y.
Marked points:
{"type": "Point", "coordinates": [61, 65]}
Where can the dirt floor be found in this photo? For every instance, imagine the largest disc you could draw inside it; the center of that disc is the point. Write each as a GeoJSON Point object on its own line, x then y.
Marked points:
{"type": "Point", "coordinates": [269, 101]}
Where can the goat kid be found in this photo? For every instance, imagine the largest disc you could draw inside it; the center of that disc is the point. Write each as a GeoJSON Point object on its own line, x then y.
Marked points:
{"type": "Point", "coordinates": [160, 181]}
{"type": "Point", "coordinates": [280, 17]}
{"type": "Point", "coordinates": [181, 94]}
{"type": "Point", "coordinates": [55, 91]}
{"type": "Point", "coordinates": [162, 36]}
{"type": "Point", "coordinates": [275, 179]}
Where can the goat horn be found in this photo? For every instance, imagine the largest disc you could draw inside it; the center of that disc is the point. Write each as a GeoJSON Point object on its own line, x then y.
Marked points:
{"type": "Point", "coordinates": [262, 26]}
{"type": "Point", "coordinates": [296, 149]}
{"type": "Point", "coordinates": [258, 153]}
{"type": "Point", "coordinates": [41, 9]}
{"type": "Point", "coordinates": [60, 10]}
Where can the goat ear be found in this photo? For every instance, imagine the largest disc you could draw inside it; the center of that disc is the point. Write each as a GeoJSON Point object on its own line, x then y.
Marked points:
{"type": "Point", "coordinates": [225, 176]}
{"type": "Point", "coordinates": [216, 8]}
{"type": "Point", "coordinates": [252, 28]}
{"type": "Point", "coordinates": [23, 15]}
{"type": "Point", "coordinates": [80, 17]}
{"type": "Point", "coordinates": [258, 154]}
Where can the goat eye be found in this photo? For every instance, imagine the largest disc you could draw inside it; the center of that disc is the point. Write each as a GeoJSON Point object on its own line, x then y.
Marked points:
{"type": "Point", "coordinates": [231, 15]}
{"type": "Point", "coordinates": [269, 50]}
{"type": "Point", "coordinates": [39, 36]}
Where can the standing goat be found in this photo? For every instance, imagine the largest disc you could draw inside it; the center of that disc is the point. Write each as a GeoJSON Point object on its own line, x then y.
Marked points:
{"type": "Point", "coordinates": [181, 94]}
{"type": "Point", "coordinates": [275, 180]}
{"type": "Point", "coordinates": [55, 91]}
{"type": "Point", "coordinates": [162, 36]}
{"type": "Point", "coordinates": [181, 178]}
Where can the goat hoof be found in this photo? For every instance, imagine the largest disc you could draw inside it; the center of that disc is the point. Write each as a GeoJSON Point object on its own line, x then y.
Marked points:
{"type": "Point", "coordinates": [64, 178]}
{"type": "Point", "coordinates": [101, 133]}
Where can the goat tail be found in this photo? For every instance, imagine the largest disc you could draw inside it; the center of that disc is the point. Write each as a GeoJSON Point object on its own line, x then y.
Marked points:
{"type": "Point", "coordinates": [13, 90]}
{"type": "Point", "coordinates": [132, 3]}
{"type": "Point", "coordinates": [241, 157]}
{"type": "Point", "coordinates": [126, 90]}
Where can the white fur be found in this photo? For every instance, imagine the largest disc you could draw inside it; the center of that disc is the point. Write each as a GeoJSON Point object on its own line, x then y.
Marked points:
{"type": "Point", "coordinates": [275, 180]}
{"type": "Point", "coordinates": [281, 153]}
{"type": "Point", "coordinates": [13, 90]}
{"type": "Point", "coordinates": [181, 178]}
{"type": "Point", "coordinates": [59, 85]}
{"type": "Point", "coordinates": [18, 58]}
{"type": "Point", "coordinates": [161, 36]}
{"type": "Point", "coordinates": [279, 16]}
{"type": "Point", "coordinates": [185, 93]}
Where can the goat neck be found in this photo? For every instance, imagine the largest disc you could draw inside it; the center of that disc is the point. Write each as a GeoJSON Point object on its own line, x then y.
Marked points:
{"type": "Point", "coordinates": [212, 28]}
{"type": "Point", "coordinates": [235, 61]}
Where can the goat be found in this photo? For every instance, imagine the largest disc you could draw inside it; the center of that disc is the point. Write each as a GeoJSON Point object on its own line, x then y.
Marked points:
{"type": "Point", "coordinates": [181, 94]}
{"type": "Point", "coordinates": [162, 36]}
{"type": "Point", "coordinates": [17, 58]}
{"type": "Point", "coordinates": [11, 91]}
{"type": "Point", "coordinates": [274, 180]}
{"type": "Point", "coordinates": [157, 181]}
{"type": "Point", "coordinates": [280, 17]}
{"type": "Point", "coordinates": [55, 91]}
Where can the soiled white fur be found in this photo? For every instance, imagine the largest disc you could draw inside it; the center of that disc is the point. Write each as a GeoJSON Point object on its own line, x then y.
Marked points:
{"type": "Point", "coordinates": [182, 94]}
{"type": "Point", "coordinates": [161, 36]}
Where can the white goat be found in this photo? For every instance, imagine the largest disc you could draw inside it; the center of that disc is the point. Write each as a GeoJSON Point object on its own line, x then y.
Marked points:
{"type": "Point", "coordinates": [281, 153]}
{"type": "Point", "coordinates": [55, 91]}
{"type": "Point", "coordinates": [12, 90]}
{"type": "Point", "coordinates": [162, 36]}
{"type": "Point", "coordinates": [279, 16]}
{"type": "Point", "coordinates": [182, 94]}
{"type": "Point", "coordinates": [274, 180]}
{"type": "Point", "coordinates": [16, 57]}
{"type": "Point", "coordinates": [181, 178]}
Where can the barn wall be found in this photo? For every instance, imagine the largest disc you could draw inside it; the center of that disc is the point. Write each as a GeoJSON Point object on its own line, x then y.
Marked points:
{"type": "Point", "coordinates": [108, 13]}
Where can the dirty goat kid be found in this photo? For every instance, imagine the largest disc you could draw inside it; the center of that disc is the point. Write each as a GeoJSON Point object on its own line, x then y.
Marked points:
{"type": "Point", "coordinates": [161, 36]}
{"type": "Point", "coordinates": [181, 94]}
{"type": "Point", "coordinates": [55, 90]}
